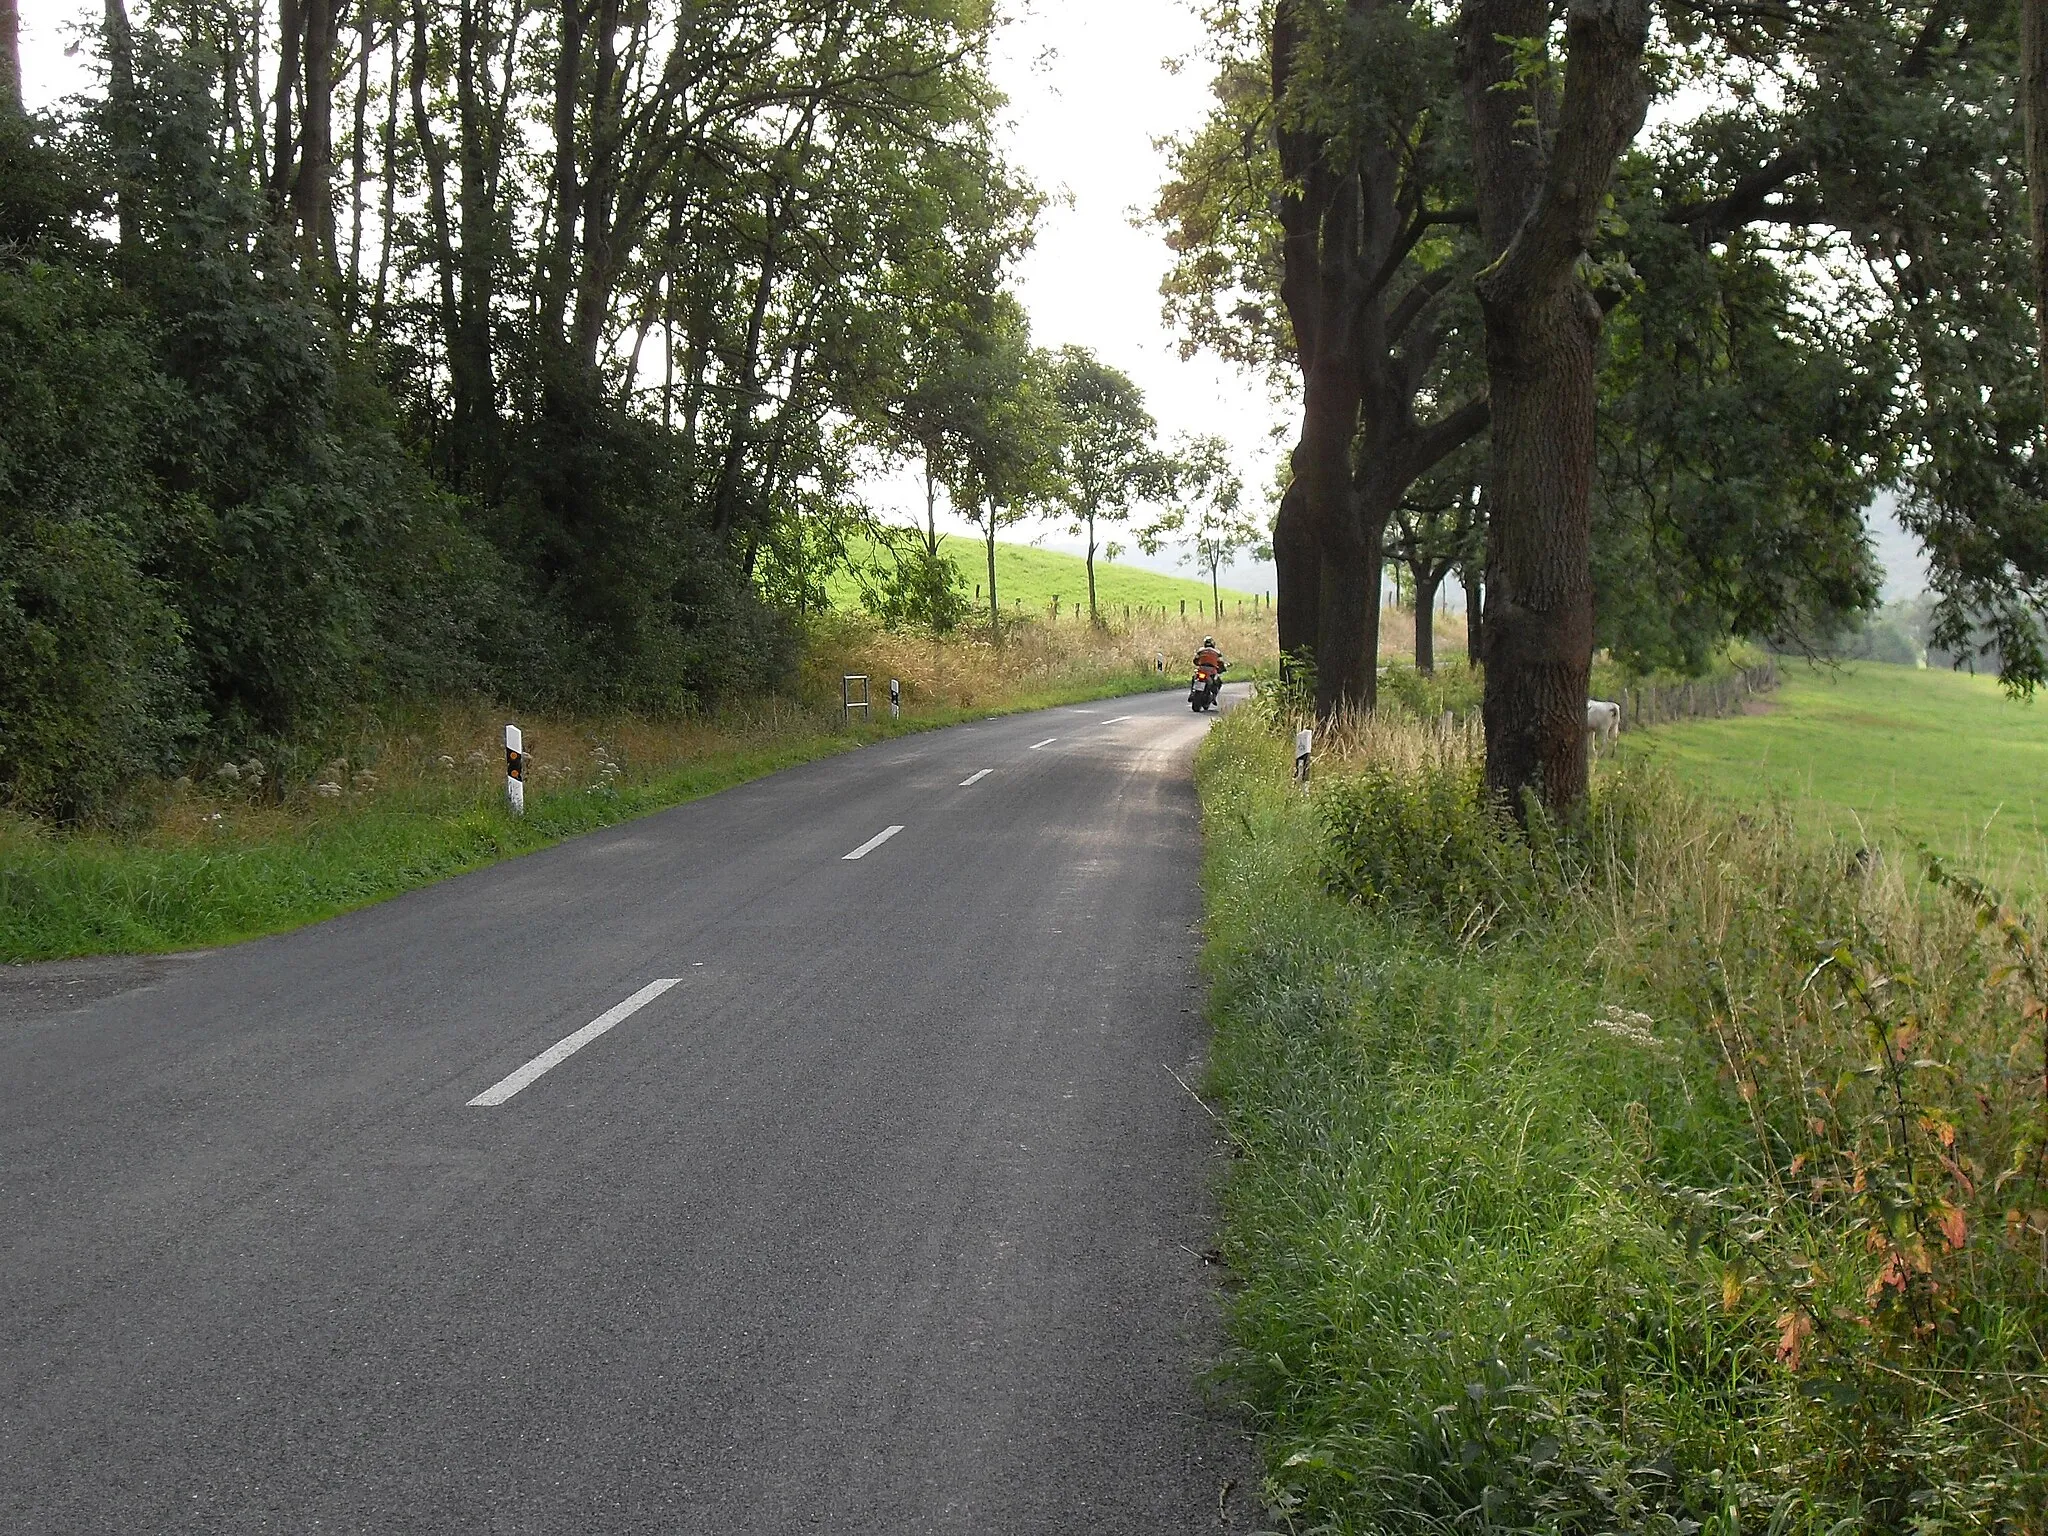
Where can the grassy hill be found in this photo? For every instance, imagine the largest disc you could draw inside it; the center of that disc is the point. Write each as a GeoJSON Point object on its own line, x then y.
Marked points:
{"type": "Point", "coordinates": [1897, 754]}
{"type": "Point", "coordinates": [1029, 578]}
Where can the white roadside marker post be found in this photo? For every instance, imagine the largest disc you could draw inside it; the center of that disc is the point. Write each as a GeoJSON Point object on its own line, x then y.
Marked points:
{"type": "Point", "coordinates": [1304, 748]}
{"type": "Point", "coordinates": [515, 770]}
{"type": "Point", "coordinates": [895, 699]}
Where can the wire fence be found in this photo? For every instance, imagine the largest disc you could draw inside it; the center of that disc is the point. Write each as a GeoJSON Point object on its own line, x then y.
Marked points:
{"type": "Point", "coordinates": [1653, 703]}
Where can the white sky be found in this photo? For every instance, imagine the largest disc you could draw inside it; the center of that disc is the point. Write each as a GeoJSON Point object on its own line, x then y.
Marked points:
{"type": "Point", "coordinates": [1089, 93]}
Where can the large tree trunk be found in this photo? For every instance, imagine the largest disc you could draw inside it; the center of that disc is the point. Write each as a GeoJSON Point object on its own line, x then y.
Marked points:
{"type": "Point", "coordinates": [312, 200]}
{"type": "Point", "coordinates": [472, 376]}
{"type": "Point", "coordinates": [1542, 333]}
{"type": "Point", "coordinates": [1365, 356]}
{"type": "Point", "coordinates": [1427, 581]}
{"type": "Point", "coordinates": [389, 175]}
{"type": "Point", "coordinates": [122, 123]}
{"type": "Point", "coordinates": [1348, 563]}
{"type": "Point", "coordinates": [1347, 676]}
{"type": "Point", "coordinates": [2034, 114]}
{"type": "Point", "coordinates": [10, 60]}
{"type": "Point", "coordinates": [291, 25]}
{"type": "Point", "coordinates": [1298, 574]}
{"type": "Point", "coordinates": [359, 164]}
{"type": "Point", "coordinates": [1322, 283]}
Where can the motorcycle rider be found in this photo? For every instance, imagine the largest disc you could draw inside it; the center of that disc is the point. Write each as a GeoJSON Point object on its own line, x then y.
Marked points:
{"type": "Point", "coordinates": [1209, 656]}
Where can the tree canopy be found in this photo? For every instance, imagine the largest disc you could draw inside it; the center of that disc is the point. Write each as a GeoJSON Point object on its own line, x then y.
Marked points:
{"type": "Point", "coordinates": [1807, 283]}
{"type": "Point", "coordinates": [512, 345]}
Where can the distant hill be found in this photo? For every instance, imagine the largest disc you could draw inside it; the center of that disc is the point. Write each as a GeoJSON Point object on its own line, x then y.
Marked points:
{"type": "Point", "coordinates": [1028, 579]}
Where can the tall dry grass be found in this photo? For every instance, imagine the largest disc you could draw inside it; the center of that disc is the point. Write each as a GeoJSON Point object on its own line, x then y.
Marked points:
{"type": "Point", "coordinates": [1680, 1172]}
{"type": "Point", "coordinates": [968, 671]}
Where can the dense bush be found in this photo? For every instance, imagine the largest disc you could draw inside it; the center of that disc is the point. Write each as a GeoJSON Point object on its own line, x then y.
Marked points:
{"type": "Point", "coordinates": [96, 683]}
{"type": "Point", "coordinates": [213, 531]}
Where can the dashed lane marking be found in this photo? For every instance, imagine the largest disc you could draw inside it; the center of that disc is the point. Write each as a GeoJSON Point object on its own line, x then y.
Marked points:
{"type": "Point", "coordinates": [568, 1046]}
{"type": "Point", "coordinates": [873, 843]}
{"type": "Point", "coordinates": [977, 778]}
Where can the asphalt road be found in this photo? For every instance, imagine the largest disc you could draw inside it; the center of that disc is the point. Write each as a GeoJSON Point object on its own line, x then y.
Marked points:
{"type": "Point", "coordinates": [888, 1215]}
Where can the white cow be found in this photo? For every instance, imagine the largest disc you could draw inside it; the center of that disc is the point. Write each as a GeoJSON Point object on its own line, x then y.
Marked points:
{"type": "Point", "coordinates": [1603, 722]}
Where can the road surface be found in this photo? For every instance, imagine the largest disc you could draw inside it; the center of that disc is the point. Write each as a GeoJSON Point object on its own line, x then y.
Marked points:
{"type": "Point", "coordinates": [692, 1176]}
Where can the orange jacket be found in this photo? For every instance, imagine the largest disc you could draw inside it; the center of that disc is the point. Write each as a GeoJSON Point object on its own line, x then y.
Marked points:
{"type": "Point", "coordinates": [1209, 656]}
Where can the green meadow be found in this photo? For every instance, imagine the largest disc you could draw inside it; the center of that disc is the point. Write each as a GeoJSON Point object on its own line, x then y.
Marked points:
{"type": "Point", "coordinates": [1029, 578]}
{"type": "Point", "coordinates": [1890, 754]}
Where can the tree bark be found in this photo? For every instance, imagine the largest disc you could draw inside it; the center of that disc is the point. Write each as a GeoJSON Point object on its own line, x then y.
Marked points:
{"type": "Point", "coordinates": [291, 25]}
{"type": "Point", "coordinates": [122, 124]}
{"type": "Point", "coordinates": [1322, 284]}
{"type": "Point", "coordinates": [1365, 355]}
{"type": "Point", "coordinates": [1542, 333]}
{"type": "Point", "coordinates": [1475, 615]}
{"type": "Point", "coordinates": [388, 172]}
{"type": "Point", "coordinates": [434, 158]}
{"type": "Point", "coordinates": [2034, 116]}
{"type": "Point", "coordinates": [1298, 573]}
{"type": "Point", "coordinates": [10, 60]}
{"type": "Point", "coordinates": [995, 612]}
{"type": "Point", "coordinates": [472, 376]}
{"type": "Point", "coordinates": [1427, 582]}
{"type": "Point", "coordinates": [359, 164]}
{"type": "Point", "coordinates": [1094, 622]}
{"type": "Point", "coordinates": [312, 200]}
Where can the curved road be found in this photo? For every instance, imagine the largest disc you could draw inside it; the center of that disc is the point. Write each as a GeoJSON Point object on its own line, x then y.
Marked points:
{"type": "Point", "coordinates": [885, 1214]}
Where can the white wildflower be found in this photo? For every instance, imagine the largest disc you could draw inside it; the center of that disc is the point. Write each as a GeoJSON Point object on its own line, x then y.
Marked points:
{"type": "Point", "coordinates": [1627, 1024]}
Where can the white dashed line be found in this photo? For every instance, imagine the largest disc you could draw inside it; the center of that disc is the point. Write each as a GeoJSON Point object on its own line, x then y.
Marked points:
{"type": "Point", "coordinates": [1119, 717]}
{"type": "Point", "coordinates": [563, 1049]}
{"type": "Point", "coordinates": [1045, 743]}
{"type": "Point", "coordinates": [977, 778]}
{"type": "Point", "coordinates": [873, 843]}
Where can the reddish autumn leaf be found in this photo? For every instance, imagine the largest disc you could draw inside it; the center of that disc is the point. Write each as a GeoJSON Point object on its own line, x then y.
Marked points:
{"type": "Point", "coordinates": [1793, 1329]}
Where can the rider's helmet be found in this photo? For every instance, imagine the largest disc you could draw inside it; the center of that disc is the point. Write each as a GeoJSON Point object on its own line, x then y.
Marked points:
{"type": "Point", "coordinates": [1208, 642]}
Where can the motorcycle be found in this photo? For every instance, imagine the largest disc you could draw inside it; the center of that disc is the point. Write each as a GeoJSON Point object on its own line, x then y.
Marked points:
{"type": "Point", "coordinates": [1205, 687]}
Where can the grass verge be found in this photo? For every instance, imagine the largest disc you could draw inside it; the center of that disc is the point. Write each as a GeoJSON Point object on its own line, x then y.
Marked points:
{"type": "Point", "coordinates": [415, 798]}
{"type": "Point", "coordinates": [1678, 1176]}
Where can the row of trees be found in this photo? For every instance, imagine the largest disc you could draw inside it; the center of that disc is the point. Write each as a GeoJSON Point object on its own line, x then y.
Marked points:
{"type": "Point", "coordinates": [360, 349]}
{"type": "Point", "coordinates": [1663, 373]}
{"type": "Point", "coordinates": [1011, 430]}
